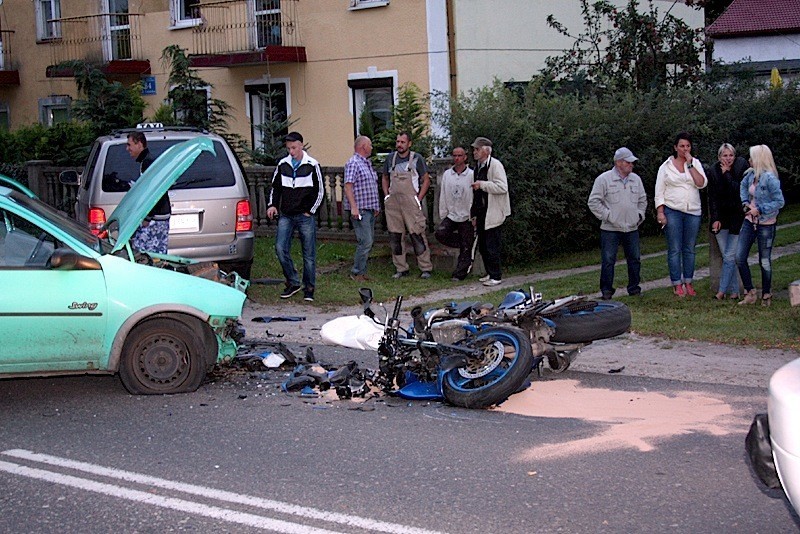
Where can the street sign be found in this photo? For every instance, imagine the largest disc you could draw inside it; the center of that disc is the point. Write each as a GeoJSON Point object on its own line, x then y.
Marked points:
{"type": "Point", "coordinates": [148, 85]}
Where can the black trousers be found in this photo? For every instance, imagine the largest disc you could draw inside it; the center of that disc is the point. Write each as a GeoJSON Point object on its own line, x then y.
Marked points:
{"type": "Point", "coordinates": [458, 235]}
{"type": "Point", "coordinates": [490, 247]}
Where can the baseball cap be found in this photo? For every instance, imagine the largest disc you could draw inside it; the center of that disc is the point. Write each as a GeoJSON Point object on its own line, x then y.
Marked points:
{"type": "Point", "coordinates": [626, 154]}
{"type": "Point", "coordinates": [293, 136]}
{"type": "Point", "coordinates": [481, 142]}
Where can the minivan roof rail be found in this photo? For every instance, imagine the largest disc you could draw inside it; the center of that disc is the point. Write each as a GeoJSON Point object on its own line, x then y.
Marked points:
{"type": "Point", "coordinates": [157, 127]}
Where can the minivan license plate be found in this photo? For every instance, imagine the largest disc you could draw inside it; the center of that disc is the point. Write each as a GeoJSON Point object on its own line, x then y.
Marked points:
{"type": "Point", "coordinates": [184, 223]}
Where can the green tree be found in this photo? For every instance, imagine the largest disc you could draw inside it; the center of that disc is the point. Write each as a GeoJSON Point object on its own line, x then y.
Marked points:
{"type": "Point", "coordinates": [106, 105]}
{"type": "Point", "coordinates": [628, 49]}
{"type": "Point", "coordinates": [188, 95]}
{"type": "Point", "coordinates": [273, 127]}
{"type": "Point", "coordinates": [410, 114]}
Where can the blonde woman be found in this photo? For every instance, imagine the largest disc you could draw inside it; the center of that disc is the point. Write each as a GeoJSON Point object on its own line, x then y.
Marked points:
{"type": "Point", "coordinates": [762, 199]}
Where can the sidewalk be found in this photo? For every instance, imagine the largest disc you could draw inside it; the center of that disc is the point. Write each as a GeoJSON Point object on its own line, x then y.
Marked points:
{"type": "Point", "coordinates": [640, 356]}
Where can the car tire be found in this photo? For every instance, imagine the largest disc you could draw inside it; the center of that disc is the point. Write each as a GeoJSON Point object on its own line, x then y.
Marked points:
{"type": "Point", "coordinates": [162, 356]}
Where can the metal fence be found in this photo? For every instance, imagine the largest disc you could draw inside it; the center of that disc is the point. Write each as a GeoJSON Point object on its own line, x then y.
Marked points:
{"type": "Point", "coordinates": [332, 220]}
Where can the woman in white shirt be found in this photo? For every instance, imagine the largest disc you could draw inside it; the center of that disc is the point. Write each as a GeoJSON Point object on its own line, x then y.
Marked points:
{"type": "Point", "coordinates": [677, 200]}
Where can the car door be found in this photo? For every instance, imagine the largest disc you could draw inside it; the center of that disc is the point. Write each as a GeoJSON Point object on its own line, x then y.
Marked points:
{"type": "Point", "coordinates": [50, 320]}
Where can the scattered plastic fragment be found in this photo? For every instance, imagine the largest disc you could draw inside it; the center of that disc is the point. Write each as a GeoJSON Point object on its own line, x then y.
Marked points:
{"type": "Point", "coordinates": [308, 391]}
{"type": "Point", "coordinates": [271, 319]}
{"type": "Point", "coordinates": [272, 360]}
{"type": "Point", "coordinates": [267, 281]}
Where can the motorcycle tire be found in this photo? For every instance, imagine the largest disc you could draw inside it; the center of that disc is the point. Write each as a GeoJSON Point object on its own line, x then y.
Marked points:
{"type": "Point", "coordinates": [503, 376]}
{"type": "Point", "coordinates": [607, 319]}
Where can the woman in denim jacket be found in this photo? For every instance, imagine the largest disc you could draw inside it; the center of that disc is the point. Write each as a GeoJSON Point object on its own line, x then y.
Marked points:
{"type": "Point", "coordinates": [761, 196]}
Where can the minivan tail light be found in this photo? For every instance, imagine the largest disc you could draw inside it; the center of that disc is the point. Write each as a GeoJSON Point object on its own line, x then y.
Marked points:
{"type": "Point", "coordinates": [244, 217]}
{"type": "Point", "coordinates": [97, 218]}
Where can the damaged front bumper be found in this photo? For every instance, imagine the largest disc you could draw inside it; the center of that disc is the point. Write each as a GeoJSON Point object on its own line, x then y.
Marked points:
{"type": "Point", "coordinates": [229, 333]}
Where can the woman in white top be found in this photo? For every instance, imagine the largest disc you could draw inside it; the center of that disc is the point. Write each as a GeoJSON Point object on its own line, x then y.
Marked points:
{"type": "Point", "coordinates": [678, 208]}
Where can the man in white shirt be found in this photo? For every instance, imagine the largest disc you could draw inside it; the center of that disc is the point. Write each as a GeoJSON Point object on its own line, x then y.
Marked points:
{"type": "Point", "coordinates": [455, 202]}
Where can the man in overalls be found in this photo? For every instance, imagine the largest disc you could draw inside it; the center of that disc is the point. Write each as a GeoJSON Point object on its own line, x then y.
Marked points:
{"type": "Point", "coordinates": [405, 182]}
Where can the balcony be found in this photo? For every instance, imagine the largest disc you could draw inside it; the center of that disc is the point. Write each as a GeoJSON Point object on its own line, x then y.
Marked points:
{"type": "Point", "coordinates": [9, 75]}
{"type": "Point", "coordinates": [246, 32]}
{"type": "Point", "coordinates": [110, 41]}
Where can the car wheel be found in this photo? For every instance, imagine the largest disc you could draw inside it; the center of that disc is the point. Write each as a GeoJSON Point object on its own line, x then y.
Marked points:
{"type": "Point", "coordinates": [162, 356]}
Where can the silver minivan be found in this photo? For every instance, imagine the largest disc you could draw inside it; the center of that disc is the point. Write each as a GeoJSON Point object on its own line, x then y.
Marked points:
{"type": "Point", "coordinates": [211, 213]}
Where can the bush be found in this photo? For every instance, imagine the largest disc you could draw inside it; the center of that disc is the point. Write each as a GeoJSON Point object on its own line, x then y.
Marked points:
{"type": "Point", "coordinates": [553, 146]}
{"type": "Point", "coordinates": [63, 144]}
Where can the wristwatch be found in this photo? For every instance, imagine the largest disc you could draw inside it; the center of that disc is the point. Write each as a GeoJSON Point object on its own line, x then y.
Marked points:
{"type": "Point", "coordinates": [689, 166]}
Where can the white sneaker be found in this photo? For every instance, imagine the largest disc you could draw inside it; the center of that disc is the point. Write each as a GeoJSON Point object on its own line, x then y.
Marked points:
{"type": "Point", "coordinates": [492, 282]}
{"type": "Point", "coordinates": [484, 278]}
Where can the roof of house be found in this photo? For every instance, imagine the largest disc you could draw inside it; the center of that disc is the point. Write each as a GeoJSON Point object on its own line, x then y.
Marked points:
{"type": "Point", "coordinates": [757, 17]}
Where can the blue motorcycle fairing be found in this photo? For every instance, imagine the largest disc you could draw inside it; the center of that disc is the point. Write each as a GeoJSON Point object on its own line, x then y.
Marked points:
{"type": "Point", "coordinates": [417, 390]}
{"type": "Point", "coordinates": [513, 299]}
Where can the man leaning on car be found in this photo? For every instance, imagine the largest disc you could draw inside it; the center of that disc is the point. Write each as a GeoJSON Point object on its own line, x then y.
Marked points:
{"type": "Point", "coordinates": [296, 194]}
{"type": "Point", "coordinates": [153, 235]}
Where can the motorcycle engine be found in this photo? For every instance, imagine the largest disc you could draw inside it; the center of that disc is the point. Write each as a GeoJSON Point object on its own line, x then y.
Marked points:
{"type": "Point", "coordinates": [450, 331]}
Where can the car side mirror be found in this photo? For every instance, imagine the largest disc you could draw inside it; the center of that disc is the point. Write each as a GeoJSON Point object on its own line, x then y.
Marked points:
{"type": "Point", "coordinates": [64, 259]}
{"type": "Point", "coordinates": [69, 178]}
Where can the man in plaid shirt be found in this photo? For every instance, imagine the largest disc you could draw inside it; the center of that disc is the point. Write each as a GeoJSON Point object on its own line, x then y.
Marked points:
{"type": "Point", "coordinates": [361, 198]}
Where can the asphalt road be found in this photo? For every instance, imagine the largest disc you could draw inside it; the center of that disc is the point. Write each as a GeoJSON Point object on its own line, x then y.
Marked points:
{"type": "Point", "coordinates": [81, 455]}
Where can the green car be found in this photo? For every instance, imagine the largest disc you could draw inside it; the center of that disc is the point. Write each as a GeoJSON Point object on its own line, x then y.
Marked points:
{"type": "Point", "coordinates": [76, 303]}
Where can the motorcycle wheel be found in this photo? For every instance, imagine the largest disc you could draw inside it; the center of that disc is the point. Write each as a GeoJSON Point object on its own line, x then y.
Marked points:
{"type": "Point", "coordinates": [505, 363]}
{"type": "Point", "coordinates": [607, 319]}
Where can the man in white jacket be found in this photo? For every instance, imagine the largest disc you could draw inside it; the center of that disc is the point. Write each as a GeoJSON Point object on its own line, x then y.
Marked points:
{"type": "Point", "coordinates": [490, 207]}
{"type": "Point", "coordinates": [618, 199]}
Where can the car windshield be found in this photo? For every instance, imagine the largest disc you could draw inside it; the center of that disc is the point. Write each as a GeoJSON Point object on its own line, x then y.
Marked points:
{"type": "Point", "coordinates": [61, 220]}
{"type": "Point", "coordinates": [208, 170]}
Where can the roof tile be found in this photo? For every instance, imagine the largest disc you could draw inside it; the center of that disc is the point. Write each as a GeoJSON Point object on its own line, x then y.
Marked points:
{"type": "Point", "coordinates": [757, 17]}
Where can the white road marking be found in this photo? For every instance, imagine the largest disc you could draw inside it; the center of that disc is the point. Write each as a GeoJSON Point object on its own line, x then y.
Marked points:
{"type": "Point", "coordinates": [214, 512]}
{"type": "Point", "coordinates": [221, 495]}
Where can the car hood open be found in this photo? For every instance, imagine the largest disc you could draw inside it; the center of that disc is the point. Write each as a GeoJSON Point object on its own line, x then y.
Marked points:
{"type": "Point", "coordinates": [151, 186]}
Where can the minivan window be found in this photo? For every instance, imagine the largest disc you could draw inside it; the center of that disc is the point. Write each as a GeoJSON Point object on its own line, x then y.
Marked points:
{"type": "Point", "coordinates": [208, 170]}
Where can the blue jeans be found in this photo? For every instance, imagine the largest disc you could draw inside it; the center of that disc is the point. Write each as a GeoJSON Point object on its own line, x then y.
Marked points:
{"type": "Point", "coordinates": [365, 236]}
{"type": "Point", "coordinates": [681, 232]}
{"type": "Point", "coordinates": [609, 243]}
{"type": "Point", "coordinates": [765, 236]}
{"type": "Point", "coordinates": [728, 283]}
{"type": "Point", "coordinates": [307, 230]}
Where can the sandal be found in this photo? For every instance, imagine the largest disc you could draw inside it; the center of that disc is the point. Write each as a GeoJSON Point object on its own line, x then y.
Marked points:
{"type": "Point", "coordinates": [766, 299]}
{"type": "Point", "coordinates": [719, 296]}
{"type": "Point", "coordinates": [678, 290]}
{"type": "Point", "coordinates": [750, 297]}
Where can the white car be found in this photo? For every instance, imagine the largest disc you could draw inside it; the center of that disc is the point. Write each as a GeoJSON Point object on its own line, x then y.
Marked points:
{"type": "Point", "coordinates": [773, 442]}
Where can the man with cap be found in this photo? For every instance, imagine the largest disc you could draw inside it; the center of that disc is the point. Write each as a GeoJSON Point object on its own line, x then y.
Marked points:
{"type": "Point", "coordinates": [296, 195]}
{"type": "Point", "coordinates": [619, 200]}
{"type": "Point", "coordinates": [490, 207]}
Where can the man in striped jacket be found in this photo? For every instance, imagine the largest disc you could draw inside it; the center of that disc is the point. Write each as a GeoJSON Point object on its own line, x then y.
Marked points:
{"type": "Point", "coordinates": [296, 195]}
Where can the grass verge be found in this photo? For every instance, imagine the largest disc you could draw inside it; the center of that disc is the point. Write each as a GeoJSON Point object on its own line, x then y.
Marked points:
{"type": "Point", "coordinates": [656, 313]}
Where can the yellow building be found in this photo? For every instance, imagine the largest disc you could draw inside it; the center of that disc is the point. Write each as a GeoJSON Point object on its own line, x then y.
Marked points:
{"type": "Point", "coordinates": [323, 59]}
